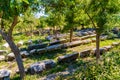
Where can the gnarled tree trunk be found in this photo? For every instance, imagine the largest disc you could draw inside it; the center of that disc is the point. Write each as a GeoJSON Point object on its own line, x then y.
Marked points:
{"type": "Point", "coordinates": [16, 52]}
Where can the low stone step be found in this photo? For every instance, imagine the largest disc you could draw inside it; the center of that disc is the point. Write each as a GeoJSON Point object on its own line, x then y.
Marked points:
{"type": "Point", "coordinates": [39, 67]}
{"type": "Point", "coordinates": [68, 57]}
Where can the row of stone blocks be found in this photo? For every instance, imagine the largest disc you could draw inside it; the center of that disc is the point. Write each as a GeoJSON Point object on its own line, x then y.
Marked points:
{"type": "Point", "coordinates": [43, 45]}
{"type": "Point", "coordinates": [24, 54]}
{"type": "Point", "coordinates": [39, 67]}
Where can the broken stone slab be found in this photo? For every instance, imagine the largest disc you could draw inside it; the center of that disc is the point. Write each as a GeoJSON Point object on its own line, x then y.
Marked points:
{"type": "Point", "coordinates": [54, 47]}
{"type": "Point", "coordinates": [75, 39]}
{"type": "Point", "coordinates": [84, 33]}
{"type": "Point", "coordinates": [40, 51]}
{"type": "Point", "coordinates": [86, 41]}
{"type": "Point", "coordinates": [58, 42]}
{"type": "Point", "coordinates": [68, 57]}
{"type": "Point", "coordinates": [90, 32]}
{"type": "Point", "coordinates": [24, 54]}
{"type": "Point", "coordinates": [93, 35]}
{"type": "Point", "coordinates": [39, 67]}
{"type": "Point", "coordinates": [72, 44]}
{"type": "Point", "coordinates": [3, 52]}
{"type": "Point", "coordinates": [33, 51]}
{"type": "Point", "coordinates": [79, 34]}
{"type": "Point", "coordinates": [37, 46]}
{"type": "Point", "coordinates": [10, 57]}
{"type": "Point", "coordinates": [29, 42]}
{"type": "Point", "coordinates": [2, 57]}
{"type": "Point", "coordinates": [85, 53]}
{"type": "Point", "coordinates": [5, 74]}
{"type": "Point", "coordinates": [115, 43]}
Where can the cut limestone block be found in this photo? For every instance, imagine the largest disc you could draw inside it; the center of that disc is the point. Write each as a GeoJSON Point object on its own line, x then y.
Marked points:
{"type": "Point", "coordinates": [37, 46]}
{"type": "Point", "coordinates": [85, 53]}
{"type": "Point", "coordinates": [58, 42]}
{"type": "Point", "coordinates": [39, 67]}
{"type": "Point", "coordinates": [72, 44]}
{"type": "Point", "coordinates": [68, 57]}
{"type": "Point", "coordinates": [54, 47]}
{"type": "Point", "coordinates": [5, 74]}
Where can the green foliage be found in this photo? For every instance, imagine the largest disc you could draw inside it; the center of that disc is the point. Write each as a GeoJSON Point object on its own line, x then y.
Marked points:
{"type": "Point", "coordinates": [102, 12]}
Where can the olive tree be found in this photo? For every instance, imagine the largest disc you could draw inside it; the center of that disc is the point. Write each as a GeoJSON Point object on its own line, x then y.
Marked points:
{"type": "Point", "coordinates": [100, 13]}
{"type": "Point", "coordinates": [10, 10]}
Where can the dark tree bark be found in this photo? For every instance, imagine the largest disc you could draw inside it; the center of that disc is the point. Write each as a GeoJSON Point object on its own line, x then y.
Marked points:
{"type": "Point", "coordinates": [97, 47]}
{"type": "Point", "coordinates": [9, 39]}
{"type": "Point", "coordinates": [71, 34]}
{"type": "Point", "coordinates": [16, 52]}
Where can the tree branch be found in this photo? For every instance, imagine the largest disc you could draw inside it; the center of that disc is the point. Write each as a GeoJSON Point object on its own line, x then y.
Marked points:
{"type": "Point", "coordinates": [12, 25]}
{"type": "Point", "coordinates": [91, 19]}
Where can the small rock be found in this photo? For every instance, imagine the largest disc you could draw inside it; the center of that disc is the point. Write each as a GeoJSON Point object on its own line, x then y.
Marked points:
{"type": "Point", "coordinates": [17, 71]}
{"type": "Point", "coordinates": [6, 45]}
{"type": "Point", "coordinates": [24, 54]}
{"type": "Point", "coordinates": [33, 51]}
{"type": "Point", "coordinates": [68, 57]}
{"type": "Point", "coordinates": [20, 43]}
{"type": "Point", "coordinates": [30, 42]}
{"type": "Point", "coordinates": [3, 51]}
{"type": "Point", "coordinates": [2, 57]}
{"type": "Point", "coordinates": [5, 74]}
{"type": "Point", "coordinates": [49, 38]}
{"type": "Point", "coordinates": [10, 57]}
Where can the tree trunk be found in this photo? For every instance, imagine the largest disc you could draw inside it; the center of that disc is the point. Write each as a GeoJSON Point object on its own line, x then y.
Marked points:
{"type": "Point", "coordinates": [97, 47]}
{"type": "Point", "coordinates": [71, 34]}
{"type": "Point", "coordinates": [18, 58]}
